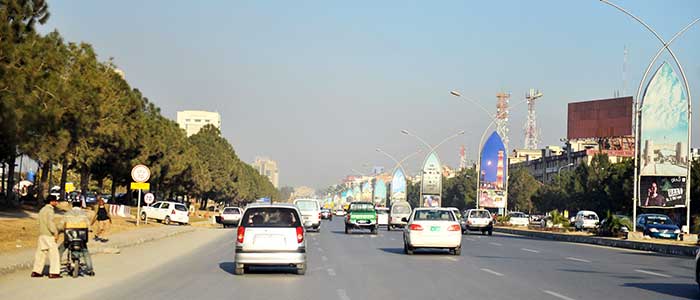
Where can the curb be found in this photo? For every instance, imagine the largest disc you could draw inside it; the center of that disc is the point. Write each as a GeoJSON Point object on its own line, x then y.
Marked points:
{"type": "Point", "coordinates": [678, 250]}
{"type": "Point", "coordinates": [5, 270]}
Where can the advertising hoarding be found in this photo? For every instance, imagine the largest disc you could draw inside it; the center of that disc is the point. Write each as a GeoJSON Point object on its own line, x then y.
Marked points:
{"type": "Point", "coordinates": [493, 177]}
{"type": "Point", "coordinates": [379, 197]}
{"type": "Point", "coordinates": [366, 192]}
{"type": "Point", "coordinates": [398, 186]}
{"type": "Point", "coordinates": [663, 141]}
{"type": "Point", "coordinates": [599, 118]}
{"type": "Point", "coordinates": [431, 181]}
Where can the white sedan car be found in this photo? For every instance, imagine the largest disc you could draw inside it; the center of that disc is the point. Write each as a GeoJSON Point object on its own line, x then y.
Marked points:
{"type": "Point", "coordinates": [433, 228]}
{"type": "Point", "coordinates": [518, 219]}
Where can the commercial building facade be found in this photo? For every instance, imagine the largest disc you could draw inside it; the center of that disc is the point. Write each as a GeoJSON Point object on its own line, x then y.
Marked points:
{"type": "Point", "coordinates": [193, 120]}
{"type": "Point", "coordinates": [268, 168]}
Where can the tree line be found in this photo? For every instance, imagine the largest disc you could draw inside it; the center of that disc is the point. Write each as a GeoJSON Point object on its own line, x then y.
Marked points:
{"type": "Point", "coordinates": [61, 106]}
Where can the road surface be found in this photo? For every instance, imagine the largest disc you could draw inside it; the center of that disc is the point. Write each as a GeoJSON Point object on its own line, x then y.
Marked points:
{"type": "Point", "coordinates": [199, 265]}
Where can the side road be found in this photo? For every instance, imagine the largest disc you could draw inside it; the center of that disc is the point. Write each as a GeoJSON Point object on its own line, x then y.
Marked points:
{"type": "Point", "coordinates": [679, 250]}
{"type": "Point", "coordinates": [23, 260]}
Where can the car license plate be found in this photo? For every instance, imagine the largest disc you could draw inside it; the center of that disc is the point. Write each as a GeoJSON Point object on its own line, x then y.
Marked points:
{"type": "Point", "coordinates": [434, 228]}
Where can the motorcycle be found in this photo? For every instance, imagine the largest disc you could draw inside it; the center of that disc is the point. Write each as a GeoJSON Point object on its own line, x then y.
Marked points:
{"type": "Point", "coordinates": [75, 241]}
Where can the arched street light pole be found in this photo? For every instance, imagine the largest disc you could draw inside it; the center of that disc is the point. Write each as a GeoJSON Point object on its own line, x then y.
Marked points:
{"type": "Point", "coordinates": [638, 106]}
{"type": "Point", "coordinates": [399, 163]}
{"type": "Point", "coordinates": [494, 118]}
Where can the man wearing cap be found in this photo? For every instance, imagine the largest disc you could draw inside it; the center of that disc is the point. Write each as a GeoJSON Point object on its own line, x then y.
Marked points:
{"type": "Point", "coordinates": [46, 244]}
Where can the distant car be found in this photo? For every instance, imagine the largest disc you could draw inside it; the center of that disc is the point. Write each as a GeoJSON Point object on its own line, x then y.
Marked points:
{"type": "Point", "coordinates": [458, 214]}
{"type": "Point", "coordinates": [311, 213]}
{"type": "Point", "coordinates": [326, 214]}
{"type": "Point", "coordinates": [271, 235]}
{"type": "Point", "coordinates": [432, 228]}
{"type": "Point", "coordinates": [382, 216]}
{"type": "Point", "coordinates": [230, 216]}
{"type": "Point", "coordinates": [657, 226]}
{"type": "Point", "coordinates": [586, 220]}
{"type": "Point", "coordinates": [340, 212]}
{"type": "Point", "coordinates": [399, 210]}
{"type": "Point", "coordinates": [518, 219]}
{"type": "Point", "coordinates": [361, 215]}
{"type": "Point", "coordinates": [537, 219]}
{"type": "Point", "coordinates": [167, 212]}
{"type": "Point", "coordinates": [479, 220]}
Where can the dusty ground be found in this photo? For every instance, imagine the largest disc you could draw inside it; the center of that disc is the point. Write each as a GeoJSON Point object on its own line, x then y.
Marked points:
{"type": "Point", "coordinates": [19, 229]}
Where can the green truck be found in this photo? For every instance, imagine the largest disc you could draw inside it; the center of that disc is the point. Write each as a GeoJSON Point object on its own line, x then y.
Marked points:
{"type": "Point", "coordinates": [361, 215]}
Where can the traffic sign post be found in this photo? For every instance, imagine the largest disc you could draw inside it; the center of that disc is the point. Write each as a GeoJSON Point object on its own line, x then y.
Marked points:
{"type": "Point", "coordinates": [140, 174]}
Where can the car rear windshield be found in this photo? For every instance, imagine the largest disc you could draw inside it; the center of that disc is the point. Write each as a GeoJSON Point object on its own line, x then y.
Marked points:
{"type": "Point", "coordinates": [434, 215]}
{"type": "Point", "coordinates": [400, 209]}
{"type": "Point", "coordinates": [362, 207]}
{"type": "Point", "coordinates": [271, 217]}
{"type": "Point", "coordinates": [590, 217]}
{"type": "Point", "coordinates": [231, 210]}
{"type": "Point", "coordinates": [479, 214]}
{"type": "Point", "coordinates": [307, 205]}
{"type": "Point", "coordinates": [180, 207]}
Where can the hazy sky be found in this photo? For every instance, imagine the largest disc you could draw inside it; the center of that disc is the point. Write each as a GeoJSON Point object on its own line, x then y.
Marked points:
{"type": "Point", "coordinates": [318, 85]}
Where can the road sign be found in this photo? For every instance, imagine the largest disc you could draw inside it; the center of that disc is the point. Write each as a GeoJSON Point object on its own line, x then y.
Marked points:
{"type": "Point", "coordinates": [140, 186]}
{"type": "Point", "coordinates": [140, 173]}
{"type": "Point", "coordinates": [149, 198]}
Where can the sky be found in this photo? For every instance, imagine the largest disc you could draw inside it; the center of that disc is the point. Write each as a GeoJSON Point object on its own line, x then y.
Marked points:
{"type": "Point", "coordinates": [319, 85]}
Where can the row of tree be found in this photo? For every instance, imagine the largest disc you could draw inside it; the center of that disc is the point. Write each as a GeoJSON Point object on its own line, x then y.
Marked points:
{"type": "Point", "coordinates": [61, 106]}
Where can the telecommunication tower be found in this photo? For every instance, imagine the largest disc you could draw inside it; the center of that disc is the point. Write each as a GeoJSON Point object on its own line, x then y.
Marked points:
{"type": "Point", "coordinates": [532, 133]}
{"type": "Point", "coordinates": [502, 116]}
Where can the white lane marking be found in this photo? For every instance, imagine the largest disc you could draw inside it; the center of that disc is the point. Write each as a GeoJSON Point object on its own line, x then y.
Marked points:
{"type": "Point", "coordinates": [342, 294]}
{"type": "Point", "coordinates": [652, 273]}
{"type": "Point", "coordinates": [529, 250]}
{"type": "Point", "coordinates": [393, 239]}
{"type": "Point", "coordinates": [496, 244]}
{"type": "Point", "coordinates": [560, 296]}
{"type": "Point", "coordinates": [331, 272]}
{"type": "Point", "coordinates": [451, 258]}
{"type": "Point", "coordinates": [578, 259]}
{"type": "Point", "coordinates": [492, 272]}
{"type": "Point", "coordinates": [470, 239]}
{"type": "Point", "coordinates": [320, 249]}
{"type": "Point", "coordinates": [324, 258]}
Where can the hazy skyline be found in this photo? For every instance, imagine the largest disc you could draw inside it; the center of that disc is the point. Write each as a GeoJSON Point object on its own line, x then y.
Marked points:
{"type": "Point", "coordinates": [319, 85]}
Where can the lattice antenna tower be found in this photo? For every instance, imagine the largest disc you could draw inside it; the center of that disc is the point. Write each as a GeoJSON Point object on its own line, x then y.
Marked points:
{"type": "Point", "coordinates": [502, 116]}
{"type": "Point", "coordinates": [532, 133]}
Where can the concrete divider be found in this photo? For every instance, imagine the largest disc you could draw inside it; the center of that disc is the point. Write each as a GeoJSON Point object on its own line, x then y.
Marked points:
{"type": "Point", "coordinates": [680, 250]}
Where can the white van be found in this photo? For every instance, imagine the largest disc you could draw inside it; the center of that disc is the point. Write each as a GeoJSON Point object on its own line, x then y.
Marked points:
{"type": "Point", "coordinates": [586, 220]}
{"type": "Point", "coordinates": [311, 213]}
{"type": "Point", "coordinates": [399, 210]}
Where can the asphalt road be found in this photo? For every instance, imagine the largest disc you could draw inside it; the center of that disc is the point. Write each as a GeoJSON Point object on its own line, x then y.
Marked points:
{"type": "Point", "coordinates": [199, 265]}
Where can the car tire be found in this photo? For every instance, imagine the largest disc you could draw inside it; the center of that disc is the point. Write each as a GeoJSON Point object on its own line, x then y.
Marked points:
{"type": "Point", "coordinates": [166, 221]}
{"type": "Point", "coordinates": [301, 269]}
{"type": "Point", "coordinates": [457, 251]}
{"type": "Point", "coordinates": [483, 232]}
{"type": "Point", "coordinates": [375, 229]}
{"type": "Point", "coordinates": [143, 216]}
{"type": "Point", "coordinates": [239, 271]}
{"type": "Point", "coordinates": [409, 250]}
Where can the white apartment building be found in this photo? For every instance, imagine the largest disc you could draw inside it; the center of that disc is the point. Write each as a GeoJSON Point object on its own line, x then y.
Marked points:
{"type": "Point", "coordinates": [267, 167]}
{"type": "Point", "coordinates": [193, 120]}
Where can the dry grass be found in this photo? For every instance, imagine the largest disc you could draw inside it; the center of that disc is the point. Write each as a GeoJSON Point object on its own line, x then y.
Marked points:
{"type": "Point", "coordinates": [17, 234]}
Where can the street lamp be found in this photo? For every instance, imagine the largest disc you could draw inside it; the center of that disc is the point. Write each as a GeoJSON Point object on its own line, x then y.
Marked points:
{"type": "Point", "coordinates": [567, 166]}
{"type": "Point", "coordinates": [637, 106]}
{"type": "Point", "coordinates": [398, 162]}
{"type": "Point", "coordinates": [494, 118]}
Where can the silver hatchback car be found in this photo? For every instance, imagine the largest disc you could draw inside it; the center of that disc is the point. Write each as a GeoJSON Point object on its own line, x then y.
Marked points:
{"type": "Point", "coordinates": [270, 235]}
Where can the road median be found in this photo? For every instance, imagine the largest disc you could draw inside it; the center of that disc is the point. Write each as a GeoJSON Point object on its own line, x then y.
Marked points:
{"type": "Point", "coordinates": [678, 250]}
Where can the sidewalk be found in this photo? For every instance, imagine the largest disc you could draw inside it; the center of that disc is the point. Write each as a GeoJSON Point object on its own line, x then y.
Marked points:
{"type": "Point", "coordinates": [665, 248]}
{"type": "Point", "coordinates": [24, 260]}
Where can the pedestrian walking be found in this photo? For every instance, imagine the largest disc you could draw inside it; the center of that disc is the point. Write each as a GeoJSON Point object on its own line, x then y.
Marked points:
{"type": "Point", "coordinates": [46, 244]}
{"type": "Point", "coordinates": [103, 219]}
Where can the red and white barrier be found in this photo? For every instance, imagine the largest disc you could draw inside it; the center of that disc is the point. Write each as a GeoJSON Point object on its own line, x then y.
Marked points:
{"type": "Point", "coordinates": [120, 210]}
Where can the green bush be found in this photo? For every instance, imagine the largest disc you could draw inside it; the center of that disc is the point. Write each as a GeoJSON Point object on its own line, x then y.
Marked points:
{"type": "Point", "coordinates": [612, 225]}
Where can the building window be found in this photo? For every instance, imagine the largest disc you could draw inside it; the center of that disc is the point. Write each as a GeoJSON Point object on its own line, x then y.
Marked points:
{"type": "Point", "coordinates": [198, 120]}
{"type": "Point", "coordinates": [188, 120]}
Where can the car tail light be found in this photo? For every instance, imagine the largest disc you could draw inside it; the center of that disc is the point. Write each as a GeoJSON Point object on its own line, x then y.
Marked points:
{"type": "Point", "coordinates": [241, 234]}
{"type": "Point", "coordinates": [300, 234]}
{"type": "Point", "coordinates": [415, 227]}
{"type": "Point", "coordinates": [454, 228]}
{"type": "Point", "coordinates": [172, 212]}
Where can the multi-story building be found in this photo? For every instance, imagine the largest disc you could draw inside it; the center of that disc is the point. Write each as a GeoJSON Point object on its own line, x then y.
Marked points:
{"type": "Point", "coordinates": [267, 167]}
{"type": "Point", "coordinates": [193, 120]}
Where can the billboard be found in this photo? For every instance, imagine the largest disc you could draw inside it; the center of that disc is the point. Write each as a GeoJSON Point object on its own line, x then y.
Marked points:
{"type": "Point", "coordinates": [492, 173]}
{"type": "Point", "coordinates": [356, 193]}
{"type": "Point", "coordinates": [599, 118]}
{"type": "Point", "coordinates": [366, 192]}
{"type": "Point", "coordinates": [663, 141]}
{"type": "Point", "coordinates": [431, 180]}
{"type": "Point", "coordinates": [398, 186]}
{"type": "Point", "coordinates": [379, 196]}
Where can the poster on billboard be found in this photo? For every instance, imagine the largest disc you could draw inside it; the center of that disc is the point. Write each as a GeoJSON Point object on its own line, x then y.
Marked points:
{"type": "Point", "coordinates": [379, 196]}
{"type": "Point", "coordinates": [366, 192]}
{"type": "Point", "coordinates": [431, 180]}
{"type": "Point", "coordinates": [431, 201]}
{"type": "Point", "coordinates": [493, 168]}
{"type": "Point", "coordinates": [663, 141]}
{"type": "Point", "coordinates": [398, 186]}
